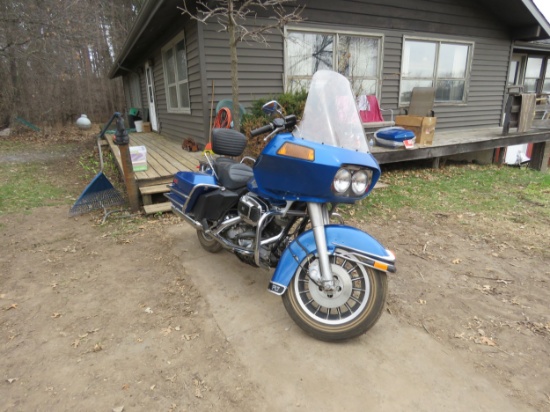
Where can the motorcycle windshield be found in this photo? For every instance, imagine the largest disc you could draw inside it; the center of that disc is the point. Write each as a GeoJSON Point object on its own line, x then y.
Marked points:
{"type": "Point", "coordinates": [331, 116]}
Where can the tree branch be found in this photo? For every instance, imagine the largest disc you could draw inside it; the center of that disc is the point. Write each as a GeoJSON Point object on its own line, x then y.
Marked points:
{"type": "Point", "coordinates": [14, 44]}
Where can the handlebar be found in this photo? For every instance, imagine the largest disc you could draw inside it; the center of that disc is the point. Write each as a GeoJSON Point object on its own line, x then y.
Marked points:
{"type": "Point", "coordinates": [261, 130]}
{"type": "Point", "coordinates": [277, 124]}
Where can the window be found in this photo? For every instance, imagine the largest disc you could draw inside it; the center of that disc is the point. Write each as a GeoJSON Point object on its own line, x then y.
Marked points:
{"type": "Point", "coordinates": [532, 74]}
{"type": "Point", "coordinates": [356, 56]}
{"type": "Point", "coordinates": [441, 64]}
{"type": "Point", "coordinates": [174, 61]}
{"type": "Point", "coordinates": [546, 87]}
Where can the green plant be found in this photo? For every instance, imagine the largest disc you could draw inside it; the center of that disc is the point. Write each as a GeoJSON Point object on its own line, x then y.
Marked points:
{"type": "Point", "coordinates": [292, 103]}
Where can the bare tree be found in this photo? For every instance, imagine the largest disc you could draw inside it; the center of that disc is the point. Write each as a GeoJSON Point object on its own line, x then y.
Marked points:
{"type": "Point", "coordinates": [55, 57]}
{"type": "Point", "coordinates": [232, 15]}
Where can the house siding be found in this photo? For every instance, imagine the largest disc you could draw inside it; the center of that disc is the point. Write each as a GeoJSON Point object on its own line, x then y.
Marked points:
{"type": "Point", "coordinates": [261, 67]}
{"type": "Point", "coordinates": [441, 19]}
{"type": "Point", "coordinates": [181, 125]}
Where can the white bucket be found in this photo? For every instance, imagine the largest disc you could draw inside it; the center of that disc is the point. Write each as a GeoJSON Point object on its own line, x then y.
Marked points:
{"type": "Point", "coordinates": [139, 125]}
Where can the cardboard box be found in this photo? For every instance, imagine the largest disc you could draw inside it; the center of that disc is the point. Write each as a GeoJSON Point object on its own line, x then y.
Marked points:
{"type": "Point", "coordinates": [138, 154]}
{"type": "Point", "coordinates": [146, 127]}
{"type": "Point", "coordinates": [423, 127]}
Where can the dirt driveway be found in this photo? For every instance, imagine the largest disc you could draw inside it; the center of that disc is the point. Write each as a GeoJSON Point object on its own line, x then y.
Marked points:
{"type": "Point", "coordinates": [134, 314]}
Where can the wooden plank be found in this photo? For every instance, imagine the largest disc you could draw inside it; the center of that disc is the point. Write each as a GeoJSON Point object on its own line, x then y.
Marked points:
{"type": "Point", "coordinates": [170, 154]}
{"type": "Point", "coordinates": [447, 144]}
{"type": "Point", "coordinates": [157, 208]}
{"type": "Point", "coordinates": [154, 189]}
{"type": "Point", "coordinates": [527, 112]}
{"type": "Point", "coordinates": [174, 153]}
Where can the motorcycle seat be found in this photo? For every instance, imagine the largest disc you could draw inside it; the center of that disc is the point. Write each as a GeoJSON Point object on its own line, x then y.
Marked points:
{"type": "Point", "coordinates": [232, 175]}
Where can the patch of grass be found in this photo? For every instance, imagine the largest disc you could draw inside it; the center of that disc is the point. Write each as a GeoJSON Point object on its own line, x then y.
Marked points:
{"type": "Point", "coordinates": [491, 190]}
{"type": "Point", "coordinates": [24, 186]}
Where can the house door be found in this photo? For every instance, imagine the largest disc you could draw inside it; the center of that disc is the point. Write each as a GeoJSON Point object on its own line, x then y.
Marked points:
{"type": "Point", "coordinates": [151, 96]}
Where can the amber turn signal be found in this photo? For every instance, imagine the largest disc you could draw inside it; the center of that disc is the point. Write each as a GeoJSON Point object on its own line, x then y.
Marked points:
{"type": "Point", "coordinates": [297, 151]}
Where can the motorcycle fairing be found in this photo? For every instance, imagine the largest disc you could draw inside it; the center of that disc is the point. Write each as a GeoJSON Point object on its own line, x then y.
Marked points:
{"type": "Point", "coordinates": [287, 178]}
{"type": "Point", "coordinates": [367, 249]}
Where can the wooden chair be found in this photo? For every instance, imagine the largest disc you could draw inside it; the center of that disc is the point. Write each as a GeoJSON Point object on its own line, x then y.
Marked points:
{"type": "Point", "coordinates": [422, 102]}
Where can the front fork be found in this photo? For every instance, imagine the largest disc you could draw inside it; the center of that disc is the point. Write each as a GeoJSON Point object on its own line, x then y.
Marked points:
{"type": "Point", "coordinates": [319, 216]}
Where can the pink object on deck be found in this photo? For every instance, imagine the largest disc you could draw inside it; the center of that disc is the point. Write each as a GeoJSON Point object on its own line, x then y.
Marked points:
{"type": "Point", "coordinates": [369, 109]}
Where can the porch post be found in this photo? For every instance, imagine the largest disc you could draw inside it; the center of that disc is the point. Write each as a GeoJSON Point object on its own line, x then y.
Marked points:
{"type": "Point", "coordinates": [540, 156]}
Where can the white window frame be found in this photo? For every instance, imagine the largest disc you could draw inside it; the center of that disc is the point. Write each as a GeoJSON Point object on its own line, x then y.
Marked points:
{"type": "Point", "coordinates": [336, 32]}
{"type": "Point", "coordinates": [438, 41]}
{"type": "Point", "coordinates": [172, 45]}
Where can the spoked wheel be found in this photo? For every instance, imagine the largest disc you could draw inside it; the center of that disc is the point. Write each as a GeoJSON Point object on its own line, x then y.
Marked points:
{"type": "Point", "coordinates": [349, 311]}
{"type": "Point", "coordinates": [208, 242]}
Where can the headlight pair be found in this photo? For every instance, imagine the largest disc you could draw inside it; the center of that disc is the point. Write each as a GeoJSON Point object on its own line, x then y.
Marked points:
{"type": "Point", "coordinates": [356, 180]}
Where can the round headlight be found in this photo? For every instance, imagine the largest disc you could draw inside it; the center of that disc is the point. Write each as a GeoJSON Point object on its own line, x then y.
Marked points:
{"type": "Point", "coordinates": [359, 182]}
{"type": "Point", "coordinates": [342, 180]}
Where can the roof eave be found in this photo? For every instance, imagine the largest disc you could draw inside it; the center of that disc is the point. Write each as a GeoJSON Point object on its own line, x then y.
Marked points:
{"type": "Point", "coordinates": [145, 15]}
{"type": "Point", "coordinates": [541, 20]}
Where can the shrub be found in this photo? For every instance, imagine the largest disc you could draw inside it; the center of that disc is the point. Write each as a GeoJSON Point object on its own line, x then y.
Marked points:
{"type": "Point", "coordinates": [292, 103]}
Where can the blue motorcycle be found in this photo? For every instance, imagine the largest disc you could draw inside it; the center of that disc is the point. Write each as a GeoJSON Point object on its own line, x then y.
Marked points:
{"type": "Point", "coordinates": [280, 213]}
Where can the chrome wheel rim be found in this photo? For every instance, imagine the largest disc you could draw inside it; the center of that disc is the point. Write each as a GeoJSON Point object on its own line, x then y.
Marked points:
{"type": "Point", "coordinates": [345, 303]}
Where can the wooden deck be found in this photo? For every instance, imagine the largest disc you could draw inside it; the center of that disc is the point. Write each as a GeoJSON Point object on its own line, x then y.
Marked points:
{"type": "Point", "coordinates": [459, 141]}
{"type": "Point", "coordinates": [165, 156]}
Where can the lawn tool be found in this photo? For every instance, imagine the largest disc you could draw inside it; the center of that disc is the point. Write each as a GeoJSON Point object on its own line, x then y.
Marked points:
{"type": "Point", "coordinates": [100, 193]}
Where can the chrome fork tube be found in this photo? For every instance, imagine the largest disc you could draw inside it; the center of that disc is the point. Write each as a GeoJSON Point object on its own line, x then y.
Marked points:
{"type": "Point", "coordinates": [318, 215]}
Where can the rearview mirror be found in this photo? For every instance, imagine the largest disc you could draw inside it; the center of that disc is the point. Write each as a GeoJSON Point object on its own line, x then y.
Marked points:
{"type": "Point", "coordinates": [272, 107]}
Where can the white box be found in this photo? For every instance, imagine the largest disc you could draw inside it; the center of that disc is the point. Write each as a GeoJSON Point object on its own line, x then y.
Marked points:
{"type": "Point", "coordinates": [138, 155]}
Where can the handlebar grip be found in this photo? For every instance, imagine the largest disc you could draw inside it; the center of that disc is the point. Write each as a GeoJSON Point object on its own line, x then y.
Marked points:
{"type": "Point", "coordinates": [264, 129]}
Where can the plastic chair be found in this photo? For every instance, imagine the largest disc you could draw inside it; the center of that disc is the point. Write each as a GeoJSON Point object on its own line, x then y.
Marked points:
{"type": "Point", "coordinates": [371, 112]}
{"type": "Point", "coordinates": [422, 102]}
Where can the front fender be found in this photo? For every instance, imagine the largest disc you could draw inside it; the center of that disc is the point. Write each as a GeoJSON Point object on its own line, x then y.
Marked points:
{"type": "Point", "coordinates": [361, 244]}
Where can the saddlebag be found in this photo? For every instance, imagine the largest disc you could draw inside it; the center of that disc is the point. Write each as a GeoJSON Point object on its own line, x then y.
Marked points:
{"type": "Point", "coordinates": [182, 188]}
{"type": "Point", "coordinates": [213, 205]}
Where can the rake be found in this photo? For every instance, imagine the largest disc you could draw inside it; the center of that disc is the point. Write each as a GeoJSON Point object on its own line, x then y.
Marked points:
{"type": "Point", "coordinates": [100, 193]}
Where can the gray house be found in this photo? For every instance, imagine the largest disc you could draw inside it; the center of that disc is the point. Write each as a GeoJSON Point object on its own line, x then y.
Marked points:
{"type": "Point", "coordinates": [466, 48]}
{"type": "Point", "coordinates": [530, 66]}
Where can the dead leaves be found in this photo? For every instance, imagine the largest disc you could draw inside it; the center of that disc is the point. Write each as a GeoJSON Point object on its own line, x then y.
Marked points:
{"type": "Point", "coordinates": [200, 387]}
{"type": "Point", "coordinates": [536, 327]}
{"type": "Point", "coordinates": [481, 339]}
{"type": "Point", "coordinates": [83, 338]}
{"type": "Point", "coordinates": [187, 337]}
{"type": "Point", "coordinates": [12, 306]}
{"type": "Point", "coordinates": [484, 340]}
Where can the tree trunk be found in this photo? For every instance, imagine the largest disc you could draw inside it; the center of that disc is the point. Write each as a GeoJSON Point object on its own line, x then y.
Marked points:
{"type": "Point", "coordinates": [234, 67]}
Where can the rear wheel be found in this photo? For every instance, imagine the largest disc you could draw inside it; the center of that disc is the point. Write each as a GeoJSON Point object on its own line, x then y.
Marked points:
{"type": "Point", "coordinates": [350, 310]}
{"type": "Point", "coordinates": [208, 242]}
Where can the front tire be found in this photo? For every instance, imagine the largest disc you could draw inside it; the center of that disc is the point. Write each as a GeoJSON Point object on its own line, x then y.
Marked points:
{"type": "Point", "coordinates": [208, 243]}
{"type": "Point", "coordinates": [347, 312]}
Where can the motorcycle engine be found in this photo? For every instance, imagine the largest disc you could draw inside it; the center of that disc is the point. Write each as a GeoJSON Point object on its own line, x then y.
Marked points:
{"type": "Point", "coordinates": [251, 208]}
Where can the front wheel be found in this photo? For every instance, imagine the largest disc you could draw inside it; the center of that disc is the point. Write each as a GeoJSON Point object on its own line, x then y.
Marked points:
{"type": "Point", "coordinates": [350, 310]}
{"type": "Point", "coordinates": [208, 242]}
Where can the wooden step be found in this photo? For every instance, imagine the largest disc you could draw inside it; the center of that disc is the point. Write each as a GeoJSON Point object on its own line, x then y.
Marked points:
{"type": "Point", "coordinates": [148, 191]}
{"type": "Point", "coordinates": [157, 208]}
